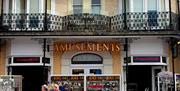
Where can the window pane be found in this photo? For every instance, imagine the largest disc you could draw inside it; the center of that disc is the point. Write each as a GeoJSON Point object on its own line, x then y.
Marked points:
{"type": "Point", "coordinates": [152, 4]}
{"type": "Point", "coordinates": [96, 9]}
{"type": "Point", "coordinates": [163, 5]}
{"type": "Point", "coordinates": [10, 6]}
{"type": "Point", "coordinates": [34, 6]}
{"type": "Point", "coordinates": [95, 71]}
{"type": "Point", "coordinates": [77, 2]}
{"type": "Point", "coordinates": [48, 4]}
{"type": "Point", "coordinates": [87, 58]}
{"type": "Point", "coordinates": [77, 9]}
{"type": "Point", "coordinates": [138, 5]}
{"type": "Point", "coordinates": [77, 71]}
{"type": "Point", "coordinates": [20, 7]}
{"type": "Point", "coordinates": [96, 2]}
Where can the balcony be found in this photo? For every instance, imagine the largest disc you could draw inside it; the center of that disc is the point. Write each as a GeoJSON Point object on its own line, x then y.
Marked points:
{"type": "Point", "coordinates": [91, 24]}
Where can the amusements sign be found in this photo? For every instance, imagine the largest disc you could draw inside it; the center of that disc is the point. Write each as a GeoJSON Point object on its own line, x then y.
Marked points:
{"type": "Point", "coordinates": [86, 46]}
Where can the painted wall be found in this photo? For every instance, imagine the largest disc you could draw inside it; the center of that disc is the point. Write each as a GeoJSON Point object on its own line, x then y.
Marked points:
{"type": "Point", "coordinates": [67, 56]}
{"type": "Point", "coordinates": [61, 7]}
{"type": "Point", "coordinates": [23, 46]}
{"type": "Point", "coordinates": [148, 47]}
{"type": "Point", "coordinates": [108, 7]}
{"type": "Point", "coordinates": [174, 5]}
{"type": "Point", "coordinates": [111, 7]}
{"type": "Point", "coordinates": [176, 61]}
{"type": "Point", "coordinates": [3, 49]}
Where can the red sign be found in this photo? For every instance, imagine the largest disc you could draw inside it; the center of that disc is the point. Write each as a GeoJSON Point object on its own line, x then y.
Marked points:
{"type": "Point", "coordinates": [26, 60]}
{"type": "Point", "coordinates": [146, 59]}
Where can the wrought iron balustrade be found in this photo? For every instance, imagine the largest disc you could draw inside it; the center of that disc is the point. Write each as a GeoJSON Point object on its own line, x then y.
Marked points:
{"type": "Point", "coordinates": [148, 20]}
{"type": "Point", "coordinates": [91, 22]}
{"type": "Point", "coordinates": [83, 22]}
{"type": "Point", "coordinates": [144, 21]}
{"type": "Point", "coordinates": [24, 22]}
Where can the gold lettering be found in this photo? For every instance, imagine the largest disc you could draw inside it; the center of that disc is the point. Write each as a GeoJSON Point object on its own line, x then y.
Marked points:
{"type": "Point", "coordinates": [82, 47]}
{"type": "Point", "coordinates": [105, 47]}
{"type": "Point", "coordinates": [117, 47]}
{"type": "Point", "coordinates": [77, 47]}
{"type": "Point", "coordinates": [56, 47]}
{"type": "Point", "coordinates": [90, 47]}
{"type": "Point", "coordinates": [97, 47]}
{"type": "Point", "coordinates": [70, 46]}
{"type": "Point", "coordinates": [86, 47]}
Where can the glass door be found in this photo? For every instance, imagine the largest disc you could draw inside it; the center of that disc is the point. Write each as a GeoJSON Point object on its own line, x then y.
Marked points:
{"type": "Point", "coordinates": [155, 71]}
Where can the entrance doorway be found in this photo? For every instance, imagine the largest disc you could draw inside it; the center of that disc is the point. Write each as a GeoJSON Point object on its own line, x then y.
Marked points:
{"type": "Point", "coordinates": [32, 77]}
{"type": "Point", "coordinates": [139, 78]}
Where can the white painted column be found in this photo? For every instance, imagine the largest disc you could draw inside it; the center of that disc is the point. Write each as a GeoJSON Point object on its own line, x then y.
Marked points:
{"type": "Point", "coordinates": [41, 6]}
{"type": "Point", "coordinates": [145, 4]}
{"type": "Point", "coordinates": [13, 6]}
{"type": "Point", "coordinates": [53, 3]}
{"type": "Point", "coordinates": [166, 5]}
{"type": "Point", "coordinates": [131, 5]}
{"type": "Point", "coordinates": [28, 6]}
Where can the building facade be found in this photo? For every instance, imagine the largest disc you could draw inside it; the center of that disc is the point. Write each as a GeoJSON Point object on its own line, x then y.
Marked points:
{"type": "Point", "coordinates": [43, 38]}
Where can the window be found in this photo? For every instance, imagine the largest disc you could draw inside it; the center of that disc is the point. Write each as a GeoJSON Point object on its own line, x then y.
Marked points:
{"type": "Point", "coordinates": [77, 6]}
{"type": "Point", "coordinates": [34, 6]}
{"type": "Point", "coordinates": [20, 6]}
{"type": "Point", "coordinates": [163, 5]}
{"type": "Point", "coordinates": [87, 58]}
{"type": "Point", "coordinates": [10, 6]}
{"type": "Point", "coordinates": [96, 6]}
{"type": "Point", "coordinates": [138, 5]}
{"type": "Point", "coordinates": [152, 4]}
{"type": "Point", "coordinates": [48, 6]}
{"type": "Point", "coordinates": [77, 71]}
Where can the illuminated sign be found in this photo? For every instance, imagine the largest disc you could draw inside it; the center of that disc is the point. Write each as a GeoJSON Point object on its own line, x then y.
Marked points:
{"type": "Point", "coordinates": [26, 60]}
{"type": "Point", "coordinates": [86, 46]}
{"type": "Point", "coordinates": [146, 59]}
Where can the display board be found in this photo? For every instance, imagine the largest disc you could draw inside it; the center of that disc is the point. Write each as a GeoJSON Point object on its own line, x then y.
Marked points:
{"type": "Point", "coordinates": [103, 83]}
{"type": "Point", "coordinates": [87, 82]}
{"type": "Point", "coordinates": [69, 83]}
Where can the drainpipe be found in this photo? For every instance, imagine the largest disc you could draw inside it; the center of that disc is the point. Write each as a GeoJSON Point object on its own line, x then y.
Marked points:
{"type": "Point", "coordinates": [44, 45]}
{"type": "Point", "coordinates": [124, 14]}
{"type": "Point", "coordinates": [170, 16]}
{"type": "Point", "coordinates": [173, 44]}
{"type": "Point", "coordinates": [126, 50]}
{"type": "Point", "coordinates": [178, 6]}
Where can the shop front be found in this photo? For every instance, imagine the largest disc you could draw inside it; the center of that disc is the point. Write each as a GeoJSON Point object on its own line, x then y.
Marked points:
{"type": "Point", "coordinates": [147, 57]}
{"type": "Point", "coordinates": [87, 66]}
{"type": "Point", "coordinates": [143, 72]}
{"type": "Point", "coordinates": [25, 59]}
{"type": "Point", "coordinates": [31, 69]}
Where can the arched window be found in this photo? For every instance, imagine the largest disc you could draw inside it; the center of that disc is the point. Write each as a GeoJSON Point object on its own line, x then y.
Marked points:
{"type": "Point", "coordinates": [87, 58]}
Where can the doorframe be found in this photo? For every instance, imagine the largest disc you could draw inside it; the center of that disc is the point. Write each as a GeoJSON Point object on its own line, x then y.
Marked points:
{"type": "Point", "coordinates": [153, 68]}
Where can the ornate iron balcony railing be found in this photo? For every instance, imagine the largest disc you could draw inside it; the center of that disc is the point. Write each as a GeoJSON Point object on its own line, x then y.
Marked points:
{"type": "Point", "coordinates": [91, 22]}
